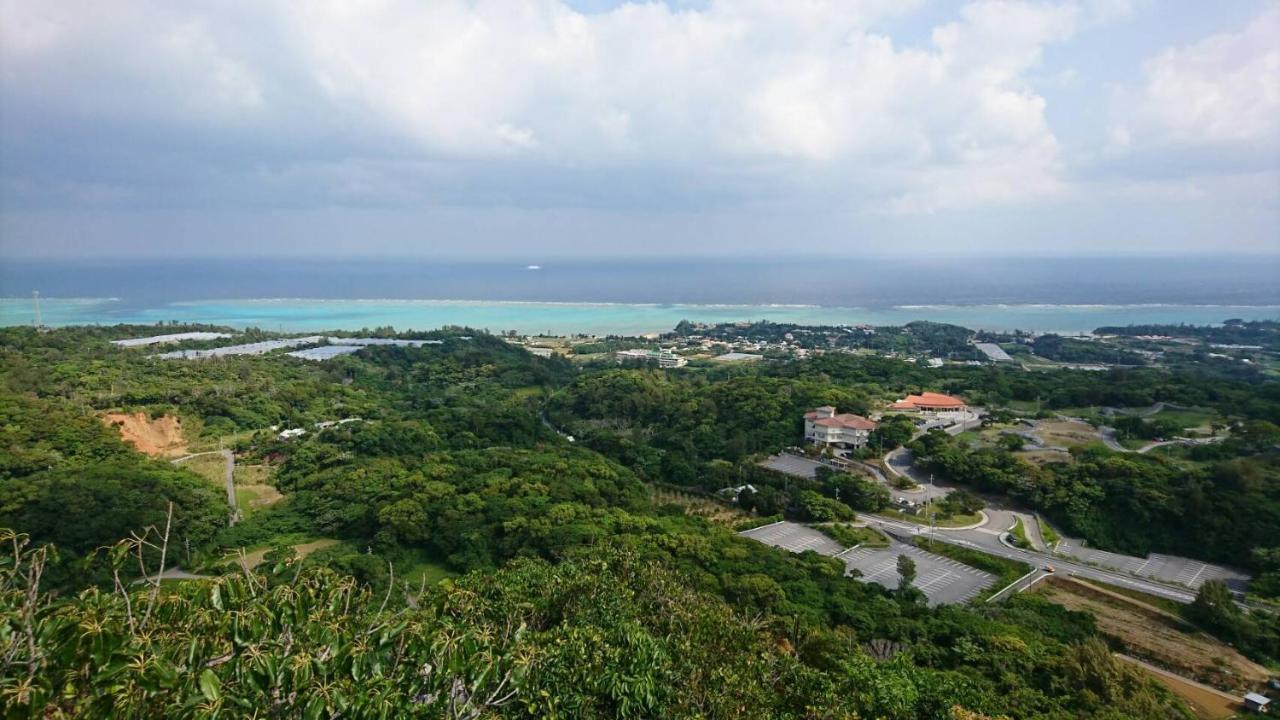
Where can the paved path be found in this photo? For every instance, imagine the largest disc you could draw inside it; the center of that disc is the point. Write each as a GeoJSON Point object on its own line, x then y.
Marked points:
{"type": "Point", "coordinates": [229, 476]}
{"type": "Point", "coordinates": [1109, 439]}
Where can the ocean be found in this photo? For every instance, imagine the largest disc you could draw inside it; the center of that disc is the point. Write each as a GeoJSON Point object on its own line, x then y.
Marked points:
{"type": "Point", "coordinates": [1068, 295]}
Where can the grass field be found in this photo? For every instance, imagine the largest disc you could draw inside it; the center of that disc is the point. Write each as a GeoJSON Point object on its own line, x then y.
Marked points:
{"type": "Point", "coordinates": [1147, 631]}
{"type": "Point", "coordinates": [253, 474]}
{"type": "Point", "coordinates": [1047, 533]}
{"type": "Point", "coordinates": [210, 467]}
{"type": "Point", "coordinates": [423, 568]}
{"type": "Point", "coordinates": [1019, 533]}
{"type": "Point", "coordinates": [206, 444]}
{"type": "Point", "coordinates": [948, 521]}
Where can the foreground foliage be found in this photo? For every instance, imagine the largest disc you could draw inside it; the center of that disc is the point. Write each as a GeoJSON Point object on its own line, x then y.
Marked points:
{"type": "Point", "coordinates": [603, 636]}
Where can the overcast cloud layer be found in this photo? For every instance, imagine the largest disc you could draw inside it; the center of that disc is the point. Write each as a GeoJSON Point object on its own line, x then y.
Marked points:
{"type": "Point", "coordinates": [545, 128]}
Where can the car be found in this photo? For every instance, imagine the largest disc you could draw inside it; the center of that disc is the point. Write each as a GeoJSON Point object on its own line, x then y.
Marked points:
{"type": "Point", "coordinates": [1049, 569]}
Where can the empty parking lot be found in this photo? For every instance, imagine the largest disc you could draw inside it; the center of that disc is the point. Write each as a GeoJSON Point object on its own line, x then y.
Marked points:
{"type": "Point", "coordinates": [942, 580]}
{"type": "Point", "coordinates": [1166, 568]}
{"type": "Point", "coordinates": [795, 538]}
{"type": "Point", "coordinates": [792, 465]}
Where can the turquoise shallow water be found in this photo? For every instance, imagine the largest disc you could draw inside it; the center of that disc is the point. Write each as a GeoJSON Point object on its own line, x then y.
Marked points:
{"type": "Point", "coordinates": [601, 318]}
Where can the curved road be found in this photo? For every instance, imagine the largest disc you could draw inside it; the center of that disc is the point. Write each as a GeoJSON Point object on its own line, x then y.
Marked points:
{"type": "Point", "coordinates": [228, 477]}
{"type": "Point", "coordinates": [987, 540]}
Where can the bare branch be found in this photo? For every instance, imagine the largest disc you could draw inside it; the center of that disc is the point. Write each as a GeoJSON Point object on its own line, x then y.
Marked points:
{"type": "Point", "coordinates": [164, 551]}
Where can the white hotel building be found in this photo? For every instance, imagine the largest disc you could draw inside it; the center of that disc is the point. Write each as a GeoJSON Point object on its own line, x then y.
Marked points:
{"type": "Point", "coordinates": [824, 427]}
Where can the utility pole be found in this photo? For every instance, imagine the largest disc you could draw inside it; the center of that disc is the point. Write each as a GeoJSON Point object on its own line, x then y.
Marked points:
{"type": "Point", "coordinates": [933, 525]}
{"type": "Point", "coordinates": [35, 301]}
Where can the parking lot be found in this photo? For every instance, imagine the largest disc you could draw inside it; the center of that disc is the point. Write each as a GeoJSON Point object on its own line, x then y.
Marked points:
{"type": "Point", "coordinates": [1166, 568]}
{"type": "Point", "coordinates": [942, 580]}
{"type": "Point", "coordinates": [792, 465]}
{"type": "Point", "coordinates": [795, 538]}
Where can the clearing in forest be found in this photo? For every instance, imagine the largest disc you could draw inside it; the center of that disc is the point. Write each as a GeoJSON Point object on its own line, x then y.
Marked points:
{"type": "Point", "coordinates": [1065, 433]}
{"type": "Point", "coordinates": [1155, 635]}
{"type": "Point", "coordinates": [255, 558]}
{"type": "Point", "coordinates": [159, 437]}
{"type": "Point", "coordinates": [714, 511]}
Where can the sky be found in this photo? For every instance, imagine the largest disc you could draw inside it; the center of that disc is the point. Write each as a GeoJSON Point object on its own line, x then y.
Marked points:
{"type": "Point", "coordinates": [594, 128]}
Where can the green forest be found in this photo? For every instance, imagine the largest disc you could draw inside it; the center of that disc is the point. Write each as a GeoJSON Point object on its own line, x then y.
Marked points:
{"type": "Point", "coordinates": [570, 587]}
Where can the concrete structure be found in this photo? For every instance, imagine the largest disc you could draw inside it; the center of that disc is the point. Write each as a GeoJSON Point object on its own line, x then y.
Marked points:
{"type": "Point", "coordinates": [824, 427]}
{"type": "Point", "coordinates": [932, 403]}
{"type": "Point", "coordinates": [542, 352]}
{"type": "Point", "coordinates": [737, 357]}
{"type": "Point", "coordinates": [994, 352]}
{"type": "Point", "coordinates": [258, 348]}
{"type": "Point", "coordinates": [664, 358]}
{"type": "Point", "coordinates": [171, 338]}
{"type": "Point", "coordinates": [382, 341]}
{"type": "Point", "coordinates": [324, 352]}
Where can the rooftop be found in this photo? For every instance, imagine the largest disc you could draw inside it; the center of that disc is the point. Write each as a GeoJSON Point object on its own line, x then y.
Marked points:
{"type": "Point", "coordinates": [929, 400]}
{"type": "Point", "coordinates": [843, 420]}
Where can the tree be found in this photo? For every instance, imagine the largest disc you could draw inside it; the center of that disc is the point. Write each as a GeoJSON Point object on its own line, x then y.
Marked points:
{"type": "Point", "coordinates": [906, 571]}
{"type": "Point", "coordinates": [1215, 610]}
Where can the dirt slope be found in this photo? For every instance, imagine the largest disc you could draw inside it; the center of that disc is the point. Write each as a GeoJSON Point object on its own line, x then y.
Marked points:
{"type": "Point", "coordinates": [159, 437]}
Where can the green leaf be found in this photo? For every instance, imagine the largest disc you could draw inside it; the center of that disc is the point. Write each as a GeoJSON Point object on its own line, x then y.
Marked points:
{"type": "Point", "coordinates": [210, 686]}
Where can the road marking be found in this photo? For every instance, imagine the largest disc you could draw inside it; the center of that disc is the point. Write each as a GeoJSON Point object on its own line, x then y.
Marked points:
{"type": "Point", "coordinates": [1192, 582]}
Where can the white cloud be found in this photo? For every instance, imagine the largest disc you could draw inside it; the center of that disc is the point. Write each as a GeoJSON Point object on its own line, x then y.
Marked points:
{"type": "Point", "coordinates": [1224, 89]}
{"type": "Point", "coordinates": [767, 94]}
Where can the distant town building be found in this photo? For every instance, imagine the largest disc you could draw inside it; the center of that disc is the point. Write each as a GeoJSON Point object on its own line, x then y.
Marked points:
{"type": "Point", "coordinates": [737, 357]}
{"type": "Point", "coordinates": [291, 433]}
{"type": "Point", "coordinates": [664, 358]}
{"type": "Point", "coordinates": [930, 402]}
{"type": "Point", "coordinates": [542, 352]}
{"type": "Point", "coordinates": [824, 427]}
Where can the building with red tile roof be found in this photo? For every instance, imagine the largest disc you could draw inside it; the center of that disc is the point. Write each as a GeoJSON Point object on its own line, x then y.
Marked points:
{"type": "Point", "coordinates": [929, 402]}
{"type": "Point", "coordinates": [823, 426]}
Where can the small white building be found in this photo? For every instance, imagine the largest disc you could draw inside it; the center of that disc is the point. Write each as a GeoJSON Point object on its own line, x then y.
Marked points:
{"type": "Point", "coordinates": [1257, 703]}
{"type": "Point", "coordinates": [846, 430]}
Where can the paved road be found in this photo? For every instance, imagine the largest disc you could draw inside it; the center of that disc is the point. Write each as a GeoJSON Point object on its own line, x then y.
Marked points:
{"type": "Point", "coordinates": [901, 463]}
{"type": "Point", "coordinates": [987, 539]}
{"type": "Point", "coordinates": [228, 478]}
{"type": "Point", "coordinates": [942, 580]}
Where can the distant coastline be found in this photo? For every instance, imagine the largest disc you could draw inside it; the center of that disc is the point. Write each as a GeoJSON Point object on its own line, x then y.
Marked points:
{"type": "Point", "coordinates": [602, 318]}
